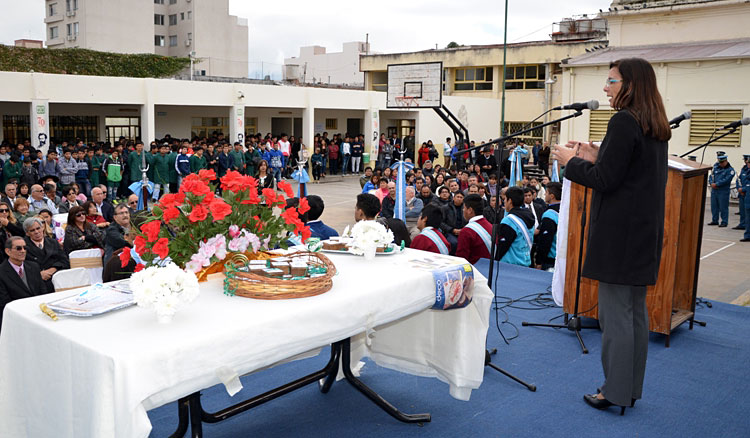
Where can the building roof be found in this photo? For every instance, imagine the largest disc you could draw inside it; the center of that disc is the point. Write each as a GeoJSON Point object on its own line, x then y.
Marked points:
{"type": "Point", "coordinates": [698, 51]}
{"type": "Point", "coordinates": [492, 46]}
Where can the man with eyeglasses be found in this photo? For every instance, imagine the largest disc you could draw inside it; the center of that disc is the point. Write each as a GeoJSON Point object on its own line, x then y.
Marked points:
{"type": "Point", "coordinates": [44, 251]}
{"type": "Point", "coordinates": [19, 278]}
{"type": "Point", "coordinates": [133, 204]}
{"type": "Point", "coordinates": [38, 201]}
{"type": "Point", "coordinates": [116, 236]}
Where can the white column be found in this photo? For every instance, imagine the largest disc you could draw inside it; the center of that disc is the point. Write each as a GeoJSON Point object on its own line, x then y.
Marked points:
{"type": "Point", "coordinates": [39, 120]}
{"type": "Point", "coordinates": [308, 128]}
{"type": "Point", "coordinates": [237, 124]}
{"type": "Point", "coordinates": [148, 123]}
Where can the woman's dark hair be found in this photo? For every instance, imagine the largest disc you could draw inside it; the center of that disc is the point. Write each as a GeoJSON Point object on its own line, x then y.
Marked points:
{"type": "Point", "coordinates": [260, 163]}
{"type": "Point", "coordinates": [72, 214]}
{"type": "Point", "coordinates": [640, 95]}
{"type": "Point", "coordinates": [67, 190]}
{"type": "Point", "coordinates": [87, 206]}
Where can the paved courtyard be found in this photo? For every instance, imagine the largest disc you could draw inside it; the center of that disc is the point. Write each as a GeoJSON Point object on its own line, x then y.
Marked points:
{"type": "Point", "coordinates": [725, 261]}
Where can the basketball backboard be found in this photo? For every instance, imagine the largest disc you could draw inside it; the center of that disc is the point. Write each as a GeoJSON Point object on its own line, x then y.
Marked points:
{"type": "Point", "coordinates": [418, 85]}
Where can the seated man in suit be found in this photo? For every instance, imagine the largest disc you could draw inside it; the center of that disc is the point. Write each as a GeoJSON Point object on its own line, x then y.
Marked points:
{"type": "Point", "coordinates": [102, 206]}
{"type": "Point", "coordinates": [116, 235]}
{"type": "Point", "coordinates": [44, 251]}
{"type": "Point", "coordinates": [475, 238]}
{"type": "Point", "coordinates": [317, 227]}
{"type": "Point", "coordinates": [18, 278]}
{"type": "Point", "coordinates": [430, 238]}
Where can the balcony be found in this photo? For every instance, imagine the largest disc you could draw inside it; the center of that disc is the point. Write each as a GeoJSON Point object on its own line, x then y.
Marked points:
{"type": "Point", "coordinates": [70, 13]}
{"type": "Point", "coordinates": [54, 18]}
{"type": "Point", "coordinates": [55, 42]}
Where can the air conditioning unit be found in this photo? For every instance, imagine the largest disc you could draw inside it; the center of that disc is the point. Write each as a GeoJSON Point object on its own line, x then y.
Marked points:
{"type": "Point", "coordinates": [188, 43]}
{"type": "Point", "coordinates": [70, 14]}
{"type": "Point", "coordinates": [72, 37]}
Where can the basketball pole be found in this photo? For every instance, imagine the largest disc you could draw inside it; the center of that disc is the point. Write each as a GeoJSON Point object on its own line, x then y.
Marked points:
{"type": "Point", "coordinates": [505, 49]}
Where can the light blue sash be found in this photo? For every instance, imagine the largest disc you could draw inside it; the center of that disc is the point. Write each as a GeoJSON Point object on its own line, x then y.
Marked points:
{"type": "Point", "coordinates": [482, 233]}
{"type": "Point", "coordinates": [428, 233]}
{"type": "Point", "coordinates": [523, 228]}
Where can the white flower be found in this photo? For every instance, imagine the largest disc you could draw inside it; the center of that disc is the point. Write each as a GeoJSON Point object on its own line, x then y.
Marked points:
{"type": "Point", "coordinates": [164, 288]}
{"type": "Point", "coordinates": [367, 236]}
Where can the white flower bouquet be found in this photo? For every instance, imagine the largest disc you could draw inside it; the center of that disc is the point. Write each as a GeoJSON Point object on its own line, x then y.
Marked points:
{"type": "Point", "coordinates": [165, 289]}
{"type": "Point", "coordinates": [367, 236]}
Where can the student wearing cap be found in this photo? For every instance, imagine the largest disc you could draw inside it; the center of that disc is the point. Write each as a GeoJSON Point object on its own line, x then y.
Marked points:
{"type": "Point", "coordinates": [743, 186]}
{"type": "Point", "coordinates": [720, 181]}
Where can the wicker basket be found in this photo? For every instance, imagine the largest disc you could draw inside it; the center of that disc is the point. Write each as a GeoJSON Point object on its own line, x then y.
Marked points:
{"type": "Point", "coordinates": [248, 285]}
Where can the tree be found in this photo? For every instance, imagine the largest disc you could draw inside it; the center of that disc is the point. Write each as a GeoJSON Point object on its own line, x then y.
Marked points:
{"type": "Point", "coordinates": [452, 45]}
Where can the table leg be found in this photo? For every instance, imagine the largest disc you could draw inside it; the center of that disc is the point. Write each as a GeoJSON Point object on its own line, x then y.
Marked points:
{"type": "Point", "coordinates": [183, 413]}
{"type": "Point", "coordinates": [372, 395]}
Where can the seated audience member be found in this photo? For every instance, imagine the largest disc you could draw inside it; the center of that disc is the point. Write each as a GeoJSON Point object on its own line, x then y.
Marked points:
{"type": "Point", "coordinates": [116, 235]}
{"type": "Point", "coordinates": [11, 194]}
{"type": "Point", "coordinates": [81, 234]}
{"type": "Point", "coordinates": [389, 202]}
{"type": "Point", "coordinates": [516, 230]}
{"type": "Point", "coordinates": [103, 207]}
{"type": "Point", "coordinates": [93, 215]}
{"type": "Point", "coordinates": [425, 194]}
{"type": "Point", "coordinates": [475, 238]}
{"type": "Point", "coordinates": [68, 200]}
{"type": "Point", "coordinates": [490, 211]}
{"type": "Point", "coordinates": [50, 191]}
{"type": "Point", "coordinates": [132, 204]}
{"type": "Point", "coordinates": [317, 227]}
{"type": "Point", "coordinates": [382, 191]}
{"type": "Point", "coordinates": [546, 239]}
{"type": "Point", "coordinates": [19, 278]}
{"type": "Point", "coordinates": [366, 208]}
{"type": "Point", "coordinates": [371, 184]}
{"type": "Point", "coordinates": [8, 225]}
{"type": "Point", "coordinates": [39, 201]}
{"type": "Point", "coordinates": [22, 210]}
{"type": "Point", "coordinates": [364, 179]}
{"type": "Point", "coordinates": [46, 217]}
{"type": "Point", "coordinates": [430, 238]}
{"type": "Point", "coordinates": [412, 209]}
{"type": "Point", "coordinates": [44, 251]}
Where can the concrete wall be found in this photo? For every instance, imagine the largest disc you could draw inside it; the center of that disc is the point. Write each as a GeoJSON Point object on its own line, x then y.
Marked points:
{"type": "Point", "coordinates": [715, 20]}
{"type": "Point", "coordinates": [683, 86]}
{"type": "Point", "coordinates": [336, 68]}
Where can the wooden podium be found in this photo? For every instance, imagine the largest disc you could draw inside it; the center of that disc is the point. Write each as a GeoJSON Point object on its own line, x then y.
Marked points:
{"type": "Point", "coordinates": [672, 300]}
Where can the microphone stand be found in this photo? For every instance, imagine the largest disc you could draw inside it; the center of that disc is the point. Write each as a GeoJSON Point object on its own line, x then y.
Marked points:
{"type": "Point", "coordinates": [496, 232]}
{"type": "Point", "coordinates": [731, 131]}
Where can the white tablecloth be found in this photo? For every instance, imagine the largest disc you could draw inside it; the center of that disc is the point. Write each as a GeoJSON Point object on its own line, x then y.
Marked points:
{"type": "Point", "coordinates": [97, 377]}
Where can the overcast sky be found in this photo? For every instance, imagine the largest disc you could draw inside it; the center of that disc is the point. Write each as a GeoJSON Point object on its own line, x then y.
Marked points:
{"type": "Point", "coordinates": [279, 28]}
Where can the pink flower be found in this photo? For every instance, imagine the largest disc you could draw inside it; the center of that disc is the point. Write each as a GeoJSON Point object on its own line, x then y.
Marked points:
{"type": "Point", "coordinates": [234, 231]}
{"type": "Point", "coordinates": [219, 245]}
{"type": "Point", "coordinates": [253, 239]}
{"type": "Point", "coordinates": [193, 266]}
{"type": "Point", "coordinates": [237, 245]}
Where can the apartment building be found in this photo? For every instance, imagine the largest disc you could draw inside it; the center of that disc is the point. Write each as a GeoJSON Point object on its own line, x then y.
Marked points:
{"type": "Point", "coordinates": [199, 28]}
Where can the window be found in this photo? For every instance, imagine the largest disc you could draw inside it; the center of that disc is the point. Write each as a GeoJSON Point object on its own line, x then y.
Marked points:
{"type": "Point", "coordinates": [190, 14]}
{"type": "Point", "coordinates": [190, 38]}
{"type": "Point", "coordinates": [70, 29]}
{"type": "Point", "coordinates": [529, 137]}
{"type": "Point", "coordinates": [209, 126]}
{"type": "Point", "coordinates": [598, 120]}
{"type": "Point", "coordinates": [158, 2]}
{"type": "Point", "coordinates": [53, 33]}
{"type": "Point", "coordinates": [332, 124]}
{"type": "Point", "coordinates": [128, 127]}
{"type": "Point", "coordinates": [379, 81]}
{"type": "Point", "coordinates": [173, 19]}
{"type": "Point", "coordinates": [473, 79]}
{"type": "Point", "coordinates": [172, 2]}
{"type": "Point", "coordinates": [705, 121]}
{"type": "Point", "coordinates": [75, 28]}
{"type": "Point", "coordinates": [525, 77]}
{"type": "Point", "coordinates": [159, 40]}
{"type": "Point", "coordinates": [70, 128]}
{"type": "Point", "coordinates": [182, 16]}
{"type": "Point", "coordinates": [172, 40]}
{"type": "Point", "coordinates": [251, 126]}
{"type": "Point", "coordinates": [52, 9]}
{"type": "Point", "coordinates": [159, 19]}
{"type": "Point", "coordinates": [16, 128]}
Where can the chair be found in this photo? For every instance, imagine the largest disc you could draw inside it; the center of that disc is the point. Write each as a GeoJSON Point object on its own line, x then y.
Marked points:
{"type": "Point", "coordinates": [91, 259]}
{"type": "Point", "coordinates": [70, 279]}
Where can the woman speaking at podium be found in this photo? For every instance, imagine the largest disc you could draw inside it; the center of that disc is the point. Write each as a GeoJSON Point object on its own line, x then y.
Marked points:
{"type": "Point", "coordinates": [628, 176]}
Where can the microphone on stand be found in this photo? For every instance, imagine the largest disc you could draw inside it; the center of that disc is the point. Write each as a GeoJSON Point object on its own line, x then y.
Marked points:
{"type": "Point", "coordinates": [676, 121]}
{"type": "Point", "coordinates": [591, 104]}
{"type": "Point", "coordinates": [736, 124]}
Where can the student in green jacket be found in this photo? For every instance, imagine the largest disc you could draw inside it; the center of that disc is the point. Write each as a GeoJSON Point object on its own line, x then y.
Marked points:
{"type": "Point", "coordinates": [173, 188]}
{"type": "Point", "coordinates": [197, 160]}
{"type": "Point", "coordinates": [113, 169]}
{"type": "Point", "coordinates": [12, 169]}
{"type": "Point", "coordinates": [252, 156]}
{"type": "Point", "coordinates": [135, 162]}
{"type": "Point", "coordinates": [238, 158]}
{"type": "Point", "coordinates": [161, 172]}
{"type": "Point", "coordinates": [95, 160]}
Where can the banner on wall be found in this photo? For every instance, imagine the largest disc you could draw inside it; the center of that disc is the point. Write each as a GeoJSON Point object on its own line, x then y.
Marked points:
{"type": "Point", "coordinates": [39, 121]}
{"type": "Point", "coordinates": [237, 124]}
{"type": "Point", "coordinates": [375, 129]}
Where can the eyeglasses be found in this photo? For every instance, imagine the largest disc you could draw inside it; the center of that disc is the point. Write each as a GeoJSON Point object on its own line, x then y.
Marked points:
{"type": "Point", "coordinates": [80, 214]}
{"type": "Point", "coordinates": [132, 203]}
{"type": "Point", "coordinates": [20, 248]}
{"type": "Point", "coordinates": [613, 81]}
{"type": "Point", "coordinates": [4, 210]}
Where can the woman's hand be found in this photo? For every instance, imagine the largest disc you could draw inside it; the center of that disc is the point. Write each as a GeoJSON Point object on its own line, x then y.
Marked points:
{"type": "Point", "coordinates": [588, 151]}
{"type": "Point", "coordinates": [563, 154]}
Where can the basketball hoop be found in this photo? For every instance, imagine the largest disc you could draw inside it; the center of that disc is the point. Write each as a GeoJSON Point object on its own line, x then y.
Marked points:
{"type": "Point", "coordinates": [406, 101]}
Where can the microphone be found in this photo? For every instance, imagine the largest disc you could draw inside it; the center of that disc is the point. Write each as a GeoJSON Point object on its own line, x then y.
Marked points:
{"type": "Point", "coordinates": [684, 116]}
{"type": "Point", "coordinates": [591, 104]}
{"type": "Point", "coordinates": [735, 125]}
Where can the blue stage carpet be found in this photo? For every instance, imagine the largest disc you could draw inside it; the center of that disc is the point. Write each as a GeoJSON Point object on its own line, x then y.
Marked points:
{"type": "Point", "coordinates": [697, 387]}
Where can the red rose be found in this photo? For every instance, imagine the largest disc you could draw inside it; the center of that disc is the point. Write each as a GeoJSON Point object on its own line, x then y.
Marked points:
{"type": "Point", "coordinates": [304, 207]}
{"type": "Point", "coordinates": [124, 257]}
{"type": "Point", "coordinates": [172, 200]}
{"type": "Point", "coordinates": [253, 199]}
{"type": "Point", "coordinates": [269, 195]}
{"type": "Point", "coordinates": [290, 216]}
{"type": "Point", "coordinates": [199, 213]}
{"type": "Point", "coordinates": [170, 213]}
{"type": "Point", "coordinates": [139, 267]}
{"type": "Point", "coordinates": [305, 233]}
{"type": "Point", "coordinates": [219, 209]}
{"type": "Point", "coordinates": [196, 187]}
{"type": "Point", "coordinates": [140, 245]}
{"type": "Point", "coordinates": [151, 230]}
{"type": "Point", "coordinates": [207, 174]}
{"type": "Point", "coordinates": [287, 188]}
{"type": "Point", "coordinates": [161, 248]}
{"type": "Point", "coordinates": [232, 181]}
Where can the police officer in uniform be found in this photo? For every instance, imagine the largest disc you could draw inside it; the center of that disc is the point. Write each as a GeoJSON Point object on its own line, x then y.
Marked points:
{"type": "Point", "coordinates": [720, 181]}
{"type": "Point", "coordinates": [743, 187]}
